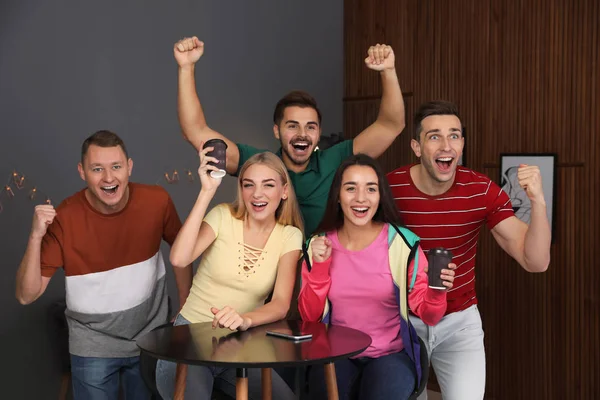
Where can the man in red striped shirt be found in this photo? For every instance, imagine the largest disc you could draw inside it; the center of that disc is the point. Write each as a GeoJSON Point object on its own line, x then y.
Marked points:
{"type": "Point", "coordinates": [446, 206]}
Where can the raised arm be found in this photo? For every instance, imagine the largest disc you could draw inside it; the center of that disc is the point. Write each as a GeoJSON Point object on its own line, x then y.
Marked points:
{"type": "Point", "coordinates": [30, 284]}
{"type": "Point", "coordinates": [189, 110]}
{"type": "Point", "coordinates": [195, 236]}
{"type": "Point", "coordinates": [378, 136]}
{"type": "Point", "coordinates": [528, 245]}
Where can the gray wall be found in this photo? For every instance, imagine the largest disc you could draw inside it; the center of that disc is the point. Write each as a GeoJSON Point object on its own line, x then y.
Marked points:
{"type": "Point", "coordinates": [69, 68]}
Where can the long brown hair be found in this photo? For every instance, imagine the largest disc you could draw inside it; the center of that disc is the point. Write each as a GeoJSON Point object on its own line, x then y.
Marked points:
{"type": "Point", "coordinates": [288, 212]}
{"type": "Point", "coordinates": [387, 212]}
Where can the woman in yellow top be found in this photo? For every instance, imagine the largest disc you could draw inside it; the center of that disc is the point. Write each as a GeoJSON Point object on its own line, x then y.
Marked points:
{"type": "Point", "coordinates": [249, 250]}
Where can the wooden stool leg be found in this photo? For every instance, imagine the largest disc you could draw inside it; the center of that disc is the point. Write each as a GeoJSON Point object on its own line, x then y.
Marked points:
{"type": "Point", "coordinates": [180, 377]}
{"type": "Point", "coordinates": [241, 384]}
{"type": "Point", "coordinates": [331, 381]}
{"type": "Point", "coordinates": [267, 387]}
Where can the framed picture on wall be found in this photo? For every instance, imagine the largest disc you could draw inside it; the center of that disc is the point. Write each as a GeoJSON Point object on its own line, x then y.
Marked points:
{"type": "Point", "coordinates": [509, 182]}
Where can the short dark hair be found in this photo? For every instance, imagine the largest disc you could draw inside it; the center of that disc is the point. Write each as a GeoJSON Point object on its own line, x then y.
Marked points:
{"type": "Point", "coordinates": [387, 212]}
{"type": "Point", "coordinates": [296, 98]}
{"type": "Point", "coordinates": [103, 139]}
{"type": "Point", "coordinates": [437, 107]}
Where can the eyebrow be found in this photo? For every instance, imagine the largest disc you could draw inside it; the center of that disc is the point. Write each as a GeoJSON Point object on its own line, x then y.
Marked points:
{"type": "Point", "coordinates": [438, 131]}
{"type": "Point", "coordinates": [354, 183]}
{"type": "Point", "coordinates": [263, 181]}
{"type": "Point", "coordinates": [291, 121]}
{"type": "Point", "coordinates": [100, 165]}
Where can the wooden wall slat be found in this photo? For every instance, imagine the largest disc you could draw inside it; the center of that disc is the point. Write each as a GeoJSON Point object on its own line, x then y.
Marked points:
{"type": "Point", "coordinates": [526, 77]}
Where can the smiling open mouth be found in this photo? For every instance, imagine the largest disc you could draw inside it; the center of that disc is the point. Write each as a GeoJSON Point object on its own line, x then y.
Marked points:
{"type": "Point", "coordinates": [444, 163]}
{"type": "Point", "coordinates": [259, 206]}
{"type": "Point", "coordinates": [110, 190]}
{"type": "Point", "coordinates": [359, 211]}
{"type": "Point", "coordinates": [300, 146]}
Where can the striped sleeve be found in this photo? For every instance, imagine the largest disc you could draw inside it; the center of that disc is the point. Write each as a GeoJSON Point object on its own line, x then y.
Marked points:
{"type": "Point", "coordinates": [499, 206]}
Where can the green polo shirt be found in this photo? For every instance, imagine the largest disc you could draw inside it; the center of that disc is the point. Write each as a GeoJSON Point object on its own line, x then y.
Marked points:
{"type": "Point", "coordinates": [311, 185]}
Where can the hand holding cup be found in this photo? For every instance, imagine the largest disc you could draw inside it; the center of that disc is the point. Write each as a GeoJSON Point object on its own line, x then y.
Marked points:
{"type": "Point", "coordinates": [440, 271]}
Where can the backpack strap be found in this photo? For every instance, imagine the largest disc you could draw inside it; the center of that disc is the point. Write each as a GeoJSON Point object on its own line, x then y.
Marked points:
{"type": "Point", "coordinates": [413, 243]}
{"type": "Point", "coordinates": [305, 253]}
{"type": "Point", "coordinates": [305, 249]}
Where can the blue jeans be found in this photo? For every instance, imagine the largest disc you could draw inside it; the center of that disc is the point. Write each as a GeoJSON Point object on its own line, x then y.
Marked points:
{"type": "Point", "coordinates": [98, 378]}
{"type": "Point", "coordinates": [201, 379]}
{"type": "Point", "coordinates": [388, 377]}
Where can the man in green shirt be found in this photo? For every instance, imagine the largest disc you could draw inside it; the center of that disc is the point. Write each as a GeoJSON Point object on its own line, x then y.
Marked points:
{"type": "Point", "coordinates": [297, 125]}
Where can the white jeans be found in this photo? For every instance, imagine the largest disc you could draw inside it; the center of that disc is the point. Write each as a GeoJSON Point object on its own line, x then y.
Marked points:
{"type": "Point", "coordinates": [455, 348]}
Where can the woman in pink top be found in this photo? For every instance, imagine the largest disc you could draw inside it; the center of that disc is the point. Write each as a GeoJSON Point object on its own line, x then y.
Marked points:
{"type": "Point", "coordinates": [359, 274]}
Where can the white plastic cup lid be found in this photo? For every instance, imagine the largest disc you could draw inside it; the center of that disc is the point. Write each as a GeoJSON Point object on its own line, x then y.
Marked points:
{"type": "Point", "coordinates": [218, 174]}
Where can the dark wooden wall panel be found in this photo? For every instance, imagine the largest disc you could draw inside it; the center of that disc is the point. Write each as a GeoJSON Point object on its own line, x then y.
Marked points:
{"type": "Point", "coordinates": [526, 76]}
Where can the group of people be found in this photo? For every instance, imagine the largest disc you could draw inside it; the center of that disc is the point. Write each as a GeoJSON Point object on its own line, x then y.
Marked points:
{"type": "Point", "coordinates": [365, 265]}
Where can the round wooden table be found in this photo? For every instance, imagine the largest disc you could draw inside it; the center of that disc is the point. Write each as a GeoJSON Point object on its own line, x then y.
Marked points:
{"type": "Point", "coordinates": [200, 344]}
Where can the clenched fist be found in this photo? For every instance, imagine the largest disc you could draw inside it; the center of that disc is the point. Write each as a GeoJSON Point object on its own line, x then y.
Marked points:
{"type": "Point", "coordinates": [188, 50]}
{"type": "Point", "coordinates": [321, 249]}
{"type": "Point", "coordinates": [43, 216]}
{"type": "Point", "coordinates": [530, 179]}
{"type": "Point", "coordinates": [380, 57]}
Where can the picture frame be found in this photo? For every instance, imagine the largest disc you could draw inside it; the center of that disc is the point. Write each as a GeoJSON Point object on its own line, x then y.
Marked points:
{"type": "Point", "coordinates": [509, 163]}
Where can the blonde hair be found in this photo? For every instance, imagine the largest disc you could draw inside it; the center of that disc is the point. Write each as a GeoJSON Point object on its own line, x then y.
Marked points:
{"type": "Point", "coordinates": [288, 212]}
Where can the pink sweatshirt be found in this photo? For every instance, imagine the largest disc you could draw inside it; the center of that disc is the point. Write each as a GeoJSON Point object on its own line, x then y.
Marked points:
{"type": "Point", "coordinates": [362, 295]}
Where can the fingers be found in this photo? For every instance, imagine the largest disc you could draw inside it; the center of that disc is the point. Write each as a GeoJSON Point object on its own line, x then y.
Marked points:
{"type": "Point", "coordinates": [208, 159]}
{"type": "Point", "coordinates": [204, 151]}
{"type": "Point", "coordinates": [235, 324]}
{"type": "Point", "coordinates": [378, 53]}
{"type": "Point", "coordinates": [218, 314]}
{"type": "Point", "coordinates": [203, 155]}
{"type": "Point", "coordinates": [45, 213]}
{"type": "Point", "coordinates": [321, 248]}
{"type": "Point", "coordinates": [528, 171]}
{"type": "Point", "coordinates": [187, 44]}
{"type": "Point", "coordinates": [205, 160]}
{"type": "Point", "coordinates": [45, 207]}
{"type": "Point", "coordinates": [530, 179]}
{"type": "Point", "coordinates": [227, 317]}
{"type": "Point", "coordinates": [386, 51]}
{"type": "Point", "coordinates": [371, 57]}
{"type": "Point", "coordinates": [447, 276]}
